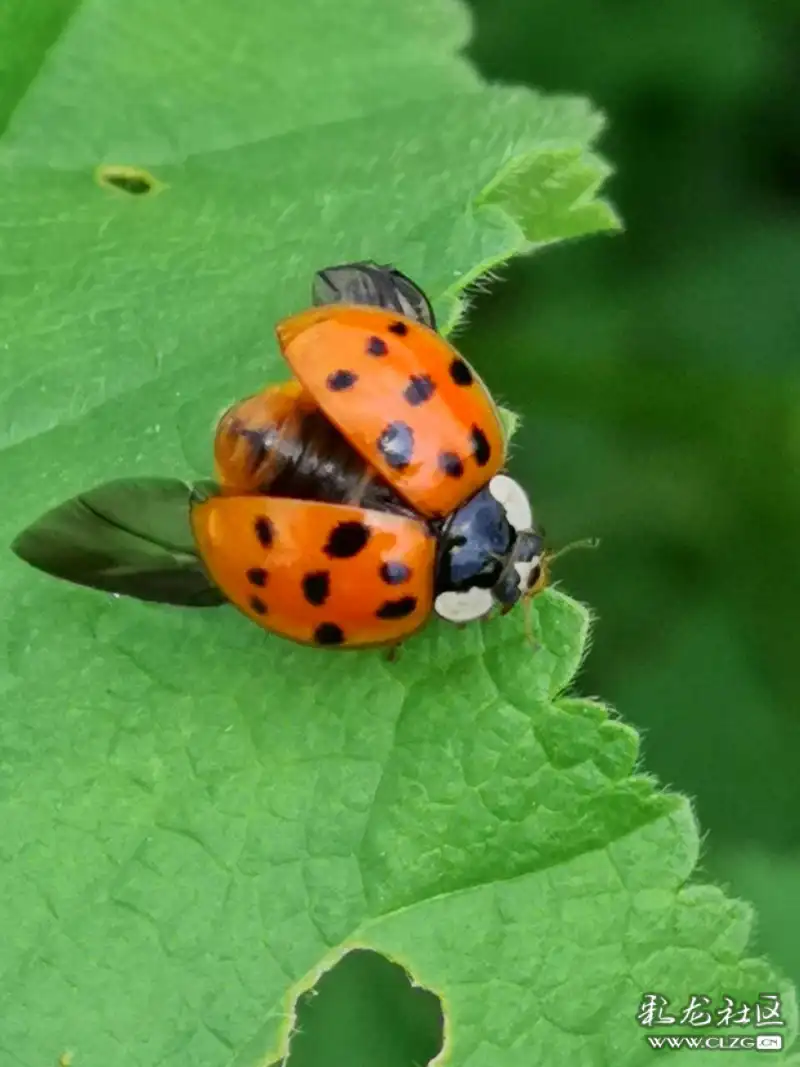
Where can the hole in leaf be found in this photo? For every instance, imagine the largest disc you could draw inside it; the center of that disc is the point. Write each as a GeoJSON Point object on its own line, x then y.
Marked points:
{"type": "Point", "coordinates": [365, 1011]}
{"type": "Point", "coordinates": [131, 180]}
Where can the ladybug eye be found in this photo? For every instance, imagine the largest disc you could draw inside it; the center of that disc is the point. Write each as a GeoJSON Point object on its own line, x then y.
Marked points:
{"type": "Point", "coordinates": [514, 501]}
{"type": "Point", "coordinates": [464, 607]}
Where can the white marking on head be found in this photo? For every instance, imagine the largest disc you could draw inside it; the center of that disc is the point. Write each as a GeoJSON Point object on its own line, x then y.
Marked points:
{"type": "Point", "coordinates": [514, 500]}
{"type": "Point", "coordinates": [464, 607]}
{"type": "Point", "coordinates": [525, 570]}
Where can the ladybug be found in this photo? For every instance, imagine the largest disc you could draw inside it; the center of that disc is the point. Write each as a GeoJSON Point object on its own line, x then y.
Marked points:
{"type": "Point", "coordinates": [351, 503]}
{"type": "Point", "coordinates": [366, 493]}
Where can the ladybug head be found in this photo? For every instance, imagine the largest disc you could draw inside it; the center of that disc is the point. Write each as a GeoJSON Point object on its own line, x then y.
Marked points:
{"type": "Point", "coordinates": [489, 553]}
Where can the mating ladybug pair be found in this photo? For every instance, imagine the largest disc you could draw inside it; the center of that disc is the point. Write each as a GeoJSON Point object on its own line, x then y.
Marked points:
{"type": "Point", "coordinates": [350, 503]}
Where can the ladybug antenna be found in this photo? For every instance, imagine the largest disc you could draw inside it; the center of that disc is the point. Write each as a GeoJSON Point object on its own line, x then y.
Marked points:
{"type": "Point", "coordinates": [527, 599]}
{"type": "Point", "coordinates": [586, 542]}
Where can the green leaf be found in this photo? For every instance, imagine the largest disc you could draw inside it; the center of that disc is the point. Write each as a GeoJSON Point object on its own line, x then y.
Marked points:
{"type": "Point", "coordinates": [510, 422]}
{"type": "Point", "coordinates": [268, 175]}
{"type": "Point", "coordinates": [552, 195]}
{"type": "Point", "coordinates": [198, 819]}
{"type": "Point", "coordinates": [452, 812]}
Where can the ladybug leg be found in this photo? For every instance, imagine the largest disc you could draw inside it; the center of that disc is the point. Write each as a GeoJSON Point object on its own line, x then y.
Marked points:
{"type": "Point", "coordinates": [530, 637]}
{"type": "Point", "coordinates": [392, 652]}
{"type": "Point", "coordinates": [497, 612]}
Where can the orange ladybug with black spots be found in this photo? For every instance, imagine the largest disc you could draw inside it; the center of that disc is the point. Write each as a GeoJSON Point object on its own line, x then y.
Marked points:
{"type": "Point", "coordinates": [351, 503]}
{"type": "Point", "coordinates": [366, 494]}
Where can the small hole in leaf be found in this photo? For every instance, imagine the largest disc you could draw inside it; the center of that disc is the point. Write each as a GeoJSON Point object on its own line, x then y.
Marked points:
{"type": "Point", "coordinates": [367, 1006]}
{"type": "Point", "coordinates": [131, 180]}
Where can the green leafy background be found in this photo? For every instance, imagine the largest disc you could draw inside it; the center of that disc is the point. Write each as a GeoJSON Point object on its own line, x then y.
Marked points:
{"type": "Point", "coordinates": [198, 821]}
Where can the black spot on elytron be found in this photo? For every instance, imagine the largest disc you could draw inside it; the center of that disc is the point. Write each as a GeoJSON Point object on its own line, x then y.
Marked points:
{"type": "Point", "coordinates": [480, 446]}
{"type": "Point", "coordinates": [398, 328]}
{"type": "Point", "coordinates": [460, 372]}
{"type": "Point", "coordinates": [394, 573]}
{"type": "Point", "coordinates": [420, 388]}
{"type": "Point", "coordinates": [258, 605]}
{"type": "Point", "coordinates": [376, 347]}
{"type": "Point", "coordinates": [346, 540]}
{"type": "Point", "coordinates": [450, 463]}
{"type": "Point", "coordinates": [396, 445]}
{"type": "Point", "coordinates": [264, 531]}
{"type": "Point", "coordinates": [328, 633]}
{"type": "Point", "coordinates": [341, 379]}
{"type": "Point", "coordinates": [257, 576]}
{"type": "Point", "coordinates": [316, 587]}
{"type": "Point", "coordinates": [397, 609]}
